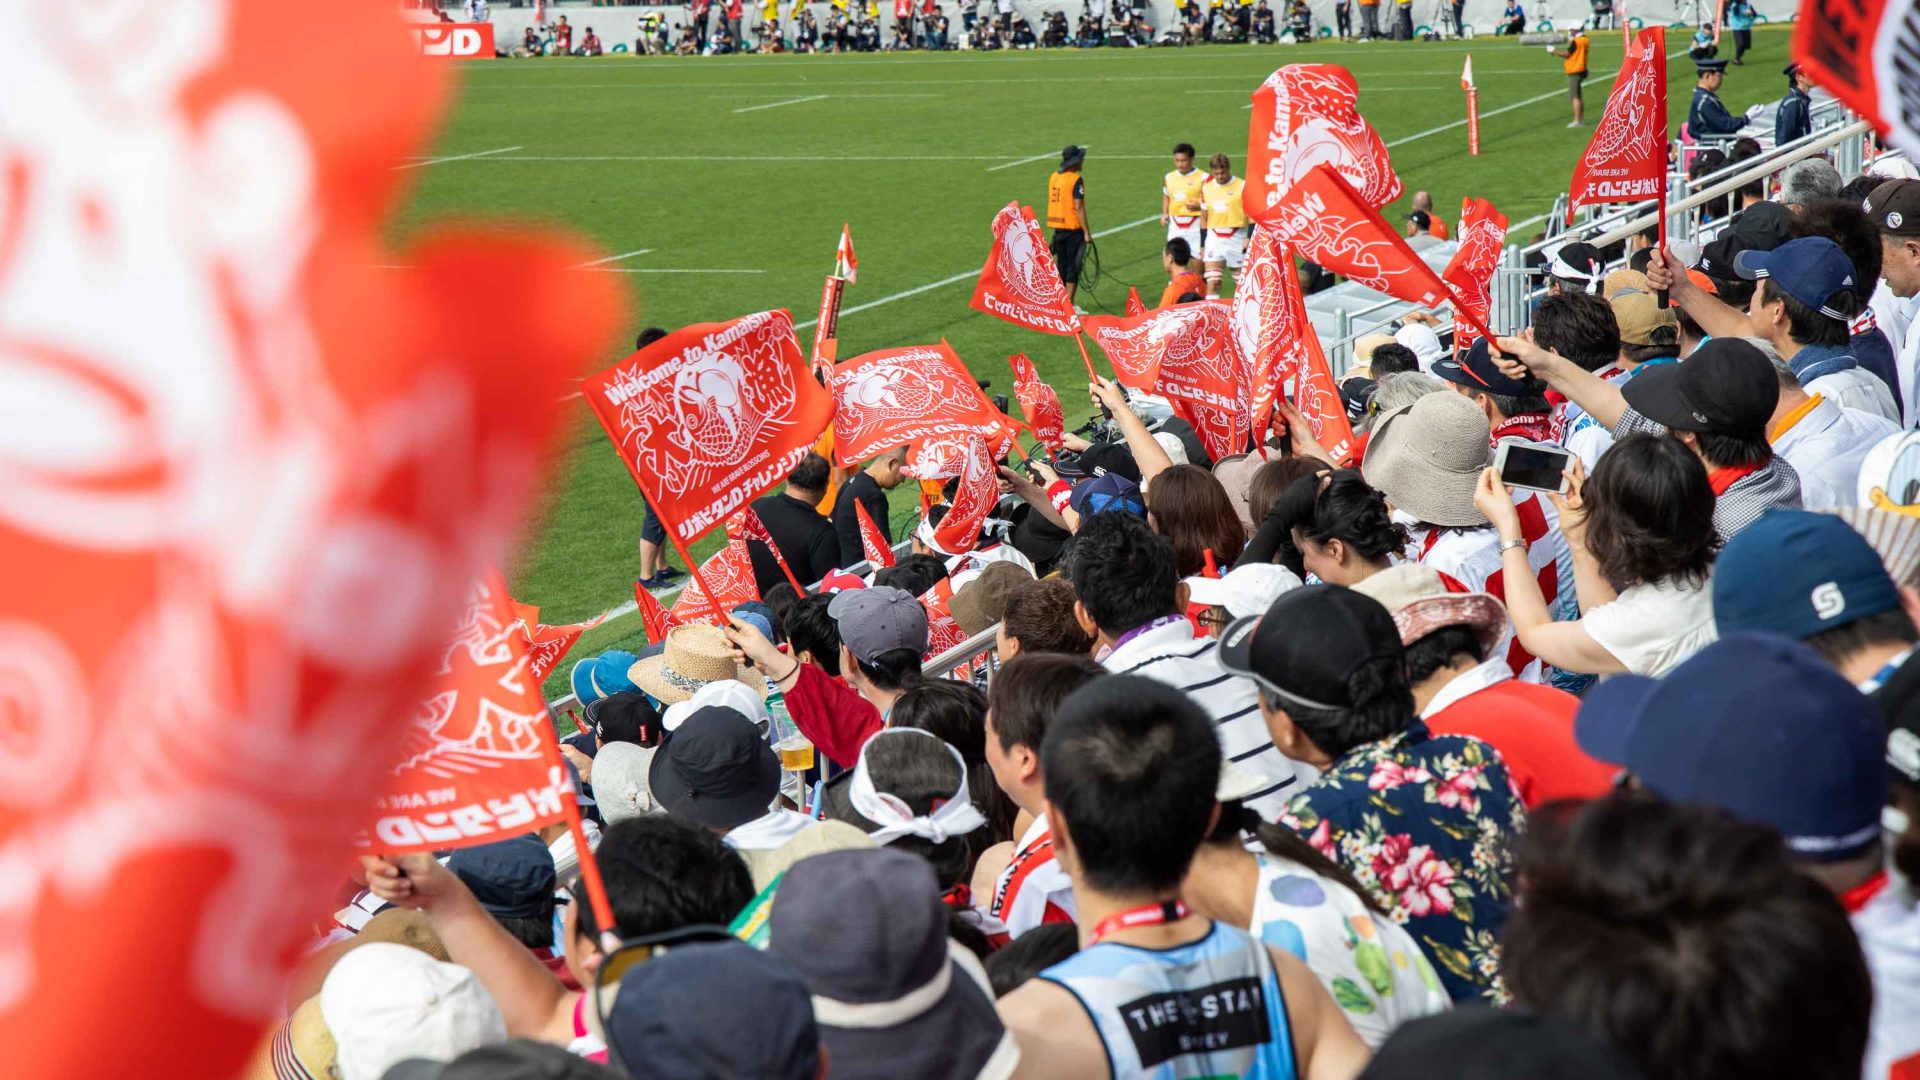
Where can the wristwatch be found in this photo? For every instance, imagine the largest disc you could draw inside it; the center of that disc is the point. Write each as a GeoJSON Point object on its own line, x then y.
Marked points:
{"type": "Point", "coordinates": [1509, 545]}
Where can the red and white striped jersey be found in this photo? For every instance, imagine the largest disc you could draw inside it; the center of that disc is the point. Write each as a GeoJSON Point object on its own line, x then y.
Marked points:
{"type": "Point", "coordinates": [1034, 888]}
{"type": "Point", "coordinates": [1469, 561]}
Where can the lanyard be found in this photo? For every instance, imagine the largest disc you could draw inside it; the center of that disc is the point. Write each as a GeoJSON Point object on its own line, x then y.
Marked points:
{"type": "Point", "coordinates": [1165, 911]}
{"type": "Point", "coordinates": [1164, 620]}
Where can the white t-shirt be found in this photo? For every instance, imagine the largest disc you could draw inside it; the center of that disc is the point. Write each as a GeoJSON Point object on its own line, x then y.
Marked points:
{"type": "Point", "coordinates": [1889, 929]}
{"type": "Point", "coordinates": [1652, 628]}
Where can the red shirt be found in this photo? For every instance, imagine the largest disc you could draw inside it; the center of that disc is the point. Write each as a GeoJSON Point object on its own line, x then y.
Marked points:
{"type": "Point", "coordinates": [835, 719]}
{"type": "Point", "coordinates": [1532, 727]}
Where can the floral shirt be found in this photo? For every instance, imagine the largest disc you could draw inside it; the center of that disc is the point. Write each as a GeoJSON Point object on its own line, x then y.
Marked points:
{"type": "Point", "coordinates": [1426, 822]}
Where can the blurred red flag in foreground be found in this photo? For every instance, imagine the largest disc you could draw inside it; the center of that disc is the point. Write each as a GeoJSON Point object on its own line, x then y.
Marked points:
{"type": "Point", "coordinates": [879, 554]}
{"type": "Point", "coordinates": [236, 541]}
{"type": "Point", "coordinates": [1864, 52]}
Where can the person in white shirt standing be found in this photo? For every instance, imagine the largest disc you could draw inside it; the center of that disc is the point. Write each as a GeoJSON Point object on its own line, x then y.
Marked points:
{"type": "Point", "coordinates": [1894, 209]}
{"type": "Point", "coordinates": [477, 11]}
{"type": "Point", "coordinates": [1821, 440]}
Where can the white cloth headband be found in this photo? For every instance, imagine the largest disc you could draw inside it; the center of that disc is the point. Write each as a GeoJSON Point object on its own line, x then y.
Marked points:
{"type": "Point", "coordinates": [955, 817]}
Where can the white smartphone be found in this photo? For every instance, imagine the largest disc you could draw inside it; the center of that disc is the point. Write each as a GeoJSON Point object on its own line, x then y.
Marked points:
{"type": "Point", "coordinates": [1536, 468]}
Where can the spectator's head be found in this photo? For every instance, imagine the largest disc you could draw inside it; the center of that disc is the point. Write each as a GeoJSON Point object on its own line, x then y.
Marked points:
{"type": "Point", "coordinates": [513, 880]}
{"type": "Point", "coordinates": [979, 604]}
{"type": "Point", "coordinates": [1647, 330]}
{"type": "Point", "coordinates": [1650, 514]}
{"type": "Point", "coordinates": [620, 787]}
{"type": "Point", "coordinates": [886, 469]}
{"type": "Point", "coordinates": [386, 1003]}
{"type": "Point", "coordinates": [1495, 1044]}
{"type": "Point", "coordinates": [1686, 940]}
{"type": "Point", "coordinates": [1579, 326]}
{"type": "Point", "coordinates": [1499, 396]}
{"type": "Point", "coordinates": [1894, 209]}
{"type": "Point", "coordinates": [1399, 390]}
{"type": "Point", "coordinates": [1330, 669]}
{"type": "Point", "coordinates": [1240, 592]}
{"type": "Point", "coordinates": [1131, 765]}
{"type": "Point", "coordinates": [1187, 505]}
{"type": "Point", "coordinates": [1418, 222]}
{"type": "Point", "coordinates": [1426, 459]}
{"type": "Point", "coordinates": [1392, 358]}
{"type": "Point", "coordinates": [1039, 618]}
{"type": "Point", "coordinates": [624, 717]}
{"type": "Point", "coordinates": [1178, 255]}
{"type": "Point", "coordinates": [1812, 577]}
{"type": "Point", "coordinates": [914, 573]}
{"type": "Point", "coordinates": [1026, 694]}
{"type": "Point", "coordinates": [1807, 292]}
{"type": "Point", "coordinates": [1423, 200]}
{"type": "Point", "coordinates": [694, 656]}
{"type": "Point", "coordinates": [1717, 401]}
{"type": "Point", "coordinates": [1221, 167]}
{"type": "Point", "coordinates": [1342, 527]}
{"type": "Point", "coordinates": [1846, 224]}
{"type": "Point", "coordinates": [716, 771]}
{"type": "Point", "coordinates": [1274, 477]}
{"type": "Point", "coordinates": [1575, 267]}
{"type": "Point", "coordinates": [813, 635]}
{"type": "Point", "coordinates": [661, 874]}
{"type": "Point", "coordinates": [1122, 573]}
{"type": "Point", "coordinates": [1445, 633]}
{"type": "Point", "coordinates": [648, 336]}
{"type": "Point", "coordinates": [715, 1008]}
{"type": "Point", "coordinates": [515, 1059]}
{"type": "Point", "coordinates": [883, 634]}
{"type": "Point", "coordinates": [912, 791]}
{"type": "Point", "coordinates": [867, 932]}
{"type": "Point", "coordinates": [1031, 953]}
{"type": "Point", "coordinates": [1423, 341]}
{"type": "Point", "coordinates": [808, 480]}
{"type": "Point", "coordinates": [1808, 181]}
{"type": "Point", "coordinates": [597, 676]}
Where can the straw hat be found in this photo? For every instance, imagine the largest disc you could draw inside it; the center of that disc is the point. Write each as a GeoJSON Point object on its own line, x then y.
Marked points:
{"type": "Point", "coordinates": [694, 656]}
{"type": "Point", "coordinates": [298, 1048]}
{"type": "Point", "coordinates": [1420, 604]}
{"type": "Point", "coordinates": [1895, 536]}
{"type": "Point", "coordinates": [1426, 459]}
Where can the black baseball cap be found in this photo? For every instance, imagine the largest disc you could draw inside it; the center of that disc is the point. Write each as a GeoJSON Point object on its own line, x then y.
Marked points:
{"type": "Point", "coordinates": [1307, 645]}
{"type": "Point", "coordinates": [512, 879]}
{"type": "Point", "coordinates": [1495, 1044]}
{"type": "Point", "coordinates": [1577, 261]}
{"type": "Point", "coordinates": [1894, 207]}
{"type": "Point", "coordinates": [1101, 458]}
{"type": "Point", "coordinates": [1476, 370]}
{"type": "Point", "coordinates": [1420, 218]}
{"type": "Point", "coordinates": [1726, 387]}
{"type": "Point", "coordinates": [717, 770]}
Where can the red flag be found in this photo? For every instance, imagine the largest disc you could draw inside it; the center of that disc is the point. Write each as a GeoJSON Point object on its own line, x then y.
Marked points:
{"type": "Point", "coordinates": [1135, 305]}
{"type": "Point", "coordinates": [236, 541]}
{"type": "Point", "coordinates": [711, 417]}
{"type": "Point", "coordinates": [1626, 161]}
{"type": "Point", "coordinates": [730, 572]}
{"type": "Point", "coordinates": [943, 630]}
{"type": "Point", "coordinates": [1020, 283]}
{"type": "Point", "coordinates": [903, 9]}
{"type": "Point", "coordinates": [1863, 51]}
{"type": "Point", "coordinates": [1187, 354]}
{"type": "Point", "coordinates": [1038, 403]}
{"type": "Point", "coordinates": [652, 615]}
{"type": "Point", "coordinates": [1305, 116]}
{"type": "Point", "coordinates": [1482, 232]}
{"type": "Point", "coordinates": [845, 265]}
{"type": "Point", "coordinates": [974, 497]}
{"type": "Point", "coordinates": [896, 396]}
{"type": "Point", "coordinates": [547, 645]}
{"type": "Point", "coordinates": [746, 525]}
{"type": "Point", "coordinates": [1279, 345]}
{"type": "Point", "coordinates": [879, 553]}
{"type": "Point", "coordinates": [474, 765]}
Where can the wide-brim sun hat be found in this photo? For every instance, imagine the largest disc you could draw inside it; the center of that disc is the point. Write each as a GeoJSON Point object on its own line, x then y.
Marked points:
{"type": "Point", "coordinates": [1420, 603]}
{"type": "Point", "coordinates": [694, 656]}
{"type": "Point", "coordinates": [1426, 458]}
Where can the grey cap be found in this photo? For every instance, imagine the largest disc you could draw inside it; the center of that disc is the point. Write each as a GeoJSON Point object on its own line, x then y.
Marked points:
{"type": "Point", "coordinates": [877, 620]}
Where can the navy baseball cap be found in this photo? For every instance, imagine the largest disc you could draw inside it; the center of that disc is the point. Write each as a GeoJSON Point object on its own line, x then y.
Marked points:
{"type": "Point", "coordinates": [1760, 726]}
{"type": "Point", "coordinates": [1476, 370]}
{"type": "Point", "coordinates": [720, 1008]}
{"type": "Point", "coordinates": [512, 879]}
{"type": "Point", "coordinates": [1110, 491]}
{"type": "Point", "coordinates": [1812, 270]}
{"type": "Point", "coordinates": [1797, 573]}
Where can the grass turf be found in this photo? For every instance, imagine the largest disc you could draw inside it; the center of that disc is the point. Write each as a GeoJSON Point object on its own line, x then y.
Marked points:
{"type": "Point", "coordinates": [735, 173]}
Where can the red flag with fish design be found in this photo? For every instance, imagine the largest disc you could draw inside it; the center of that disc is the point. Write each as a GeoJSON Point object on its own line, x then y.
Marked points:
{"type": "Point", "coordinates": [1135, 305]}
{"type": "Point", "coordinates": [894, 397]}
{"type": "Point", "coordinates": [1020, 282]}
{"type": "Point", "coordinates": [652, 615]}
{"type": "Point", "coordinates": [974, 497]}
{"type": "Point", "coordinates": [1305, 116]}
{"type": "Point", "coordinates": [878, 552]}
{"type": "Point", "coordinates": [1865, 53]}
{"type": "Point", "coordinates": [1038, 402]}
{"type": "Point", "coordinates": [1280, 347]}
{"type": "Point", "coordinates": [711, 417]}
{"type": "Point", "coordinates": [1482, 231]}
{"type": "Point", "coordinates": [1626, 160]}
{"type": "Point", "coordinates": [547, 645]}
{"type": "Point", "coordinates": [1186, 354]}
{"type": "Point", "coordinates": [730, 572]}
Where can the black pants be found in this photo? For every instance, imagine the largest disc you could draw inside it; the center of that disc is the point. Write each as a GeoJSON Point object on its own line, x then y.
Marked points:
{"type": "Point", "coordinates": [1370, 20]}
{"type": "Point", "coordinates": [1742, 43]}
{"type": "Point", "coordinates": [1403, 23]}
{"type": "Point", "coordinates": [1069, 248]}
{"type": "Point", "coordinates": [1343, 19]}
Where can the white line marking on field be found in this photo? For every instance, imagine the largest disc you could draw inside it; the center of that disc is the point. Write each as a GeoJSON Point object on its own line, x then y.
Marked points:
{"type": "Point", "coordinates": [1534, 100]}
{"type": "Point", "coordinates": [456, 157]}
{"type": "Point", "coordinates": [612, 258]}
{"type": "Point", "coordinates": [777, 104]}
{"type": "Point", "coordinates": [1022, 161]}
{"type": "Point", "coordinates": [658, 270]}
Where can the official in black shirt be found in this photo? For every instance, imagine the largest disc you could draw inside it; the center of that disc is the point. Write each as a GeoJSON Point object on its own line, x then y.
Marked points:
{"type": "Point", "coordinates": [869, 486]}
{"type": "Point", "coordinates": [793, 519]}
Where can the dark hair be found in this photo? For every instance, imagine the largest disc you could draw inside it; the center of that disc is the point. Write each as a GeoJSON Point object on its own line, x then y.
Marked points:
{"type": "Point", "coordinates": [1275, 477]}
{"type": "Point", "coordinates": [811, 474]}
{"type": "Point", "coordinates": [1690, 328]}
{"type": "Point", "coordinates": [1688, 940]}
{"type": "Point", "coordinates": [663, 873]}
{"type": "Point", "coordinates": [1890, 627]}
{"type": "Point", "coordinates": [1580, 327]}
{"type": "Point", "coordinates": [1039, 615]}
{"type": "Point", "coordinates": [1237, 821]}
{"type": "Point", "coordinates": [1650, 513]}
{"type": "Point", "coordinates": [1179, 251]}
{"type": "Point", "coordinates": [957, 712]}
{"type": "Point", "coordinates": [533, 931]}
{"type": "Point", "coordinates": [1030, 954]}
{"type": "Point", "coordinates": [1027, 691]}
{"type": "Point", "coordinates": [1183, 148]}
{"type": "Point", "coordinates": [1640, 260]}
{"type": "Point", "coordinates": [1666, 342]}
{"type": "Point", "coordinates": [1382, 706]}
{"type": "Point", "coordinates": [895, 669]}
{"type": "Point", "coordinates": [1122, 572]}
{"type": "Point", "coordinates": [648, 336]}
{"type": "Point", "coordinates": [1131, 765]}
{"type": "Point", "coordinates": [1807, 325]}
{"type": "Point", "coordinates": [1188, 298]}
{"type": "Point", "coordinates": [811, 630]}
{"type": "Point", "coordinates": [1855, 191]}
{"type": "Point", "coordinates": [1847, 225]}
{"type": "Point", "coordinates": [1439, 649]}
{"type": "Point", "coordinates": [914, 573]}
{"type": "Point", "coordinates": [1350, 510]}
{"type": "Point", "coordinates": [1392, 358]}
{"type": "Point", "coordinates": [1510, 406]}
{"type": "Point", "coordinates": [1733, 451]}
{"type": "Point", "coordinates": [780, 600]}
{"type": "Point", "coordinates": [522, 1058]}
{"type": "Point", "coordinates": [1193, 511]}
{"type": "Point", "coordinates": [920, 773]}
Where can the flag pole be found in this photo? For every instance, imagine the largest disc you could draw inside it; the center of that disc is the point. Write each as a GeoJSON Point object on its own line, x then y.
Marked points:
{"type": "Point", "coordinates": [1078, 339]}
{"type": "Point", "coordinates": [589, 865]}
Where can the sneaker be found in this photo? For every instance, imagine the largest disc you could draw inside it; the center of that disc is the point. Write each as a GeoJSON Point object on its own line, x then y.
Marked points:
{"type": "Point", "coordinates": [667, 573]}
{"type": "Point", "coordinates": [1575, 123]}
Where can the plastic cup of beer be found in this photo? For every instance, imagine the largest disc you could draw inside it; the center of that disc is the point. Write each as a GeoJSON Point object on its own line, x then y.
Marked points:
{"type": "Point", "coordinates": [796, 752]}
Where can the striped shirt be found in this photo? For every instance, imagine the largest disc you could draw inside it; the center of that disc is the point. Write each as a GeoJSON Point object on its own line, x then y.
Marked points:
{"type": "Point", "coordinates": [1171, 654]}
{"type": "Point", "coordinates": [1034, 888]}
{"type": "Point", "coordinates": [1773, 486]}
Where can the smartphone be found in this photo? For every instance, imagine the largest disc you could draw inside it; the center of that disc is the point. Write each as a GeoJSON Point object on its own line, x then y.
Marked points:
{"type": "Point", "coordinates": [1537, 468]}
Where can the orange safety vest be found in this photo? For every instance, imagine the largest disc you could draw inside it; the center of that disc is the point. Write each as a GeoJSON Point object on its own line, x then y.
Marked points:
{"type": "Point", "coordinates": [1060, 210]}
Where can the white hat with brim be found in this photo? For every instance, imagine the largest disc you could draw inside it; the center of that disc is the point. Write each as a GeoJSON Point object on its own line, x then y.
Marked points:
{"type": "Point", "coordinates": [1426, 458]}
{"type": "Point", "coordinates": [1244, 590]}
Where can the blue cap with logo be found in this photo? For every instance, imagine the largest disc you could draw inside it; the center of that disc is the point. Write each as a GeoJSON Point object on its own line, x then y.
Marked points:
{"type": "Point", "coordinates": [1812, 270]}
{"type": "Point", "coordinates": [1797, 573]}
{"type": "Point", "coordinates": [1109, 491]}
{"type": "Point", "coordinates": [1759, 726]}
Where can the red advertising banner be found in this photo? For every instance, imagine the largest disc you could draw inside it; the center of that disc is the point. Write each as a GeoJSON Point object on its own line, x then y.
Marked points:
{"type": "Point", "coordinates": [711, 417]}
{"type": "Point", "coordinates": [894, 397]}
{"type": "Point", "coordinates": [1306, 116]}
{"type": "Point", "coordinates": [476, 762]}
{"type": "Point", "coordinates": [1865, 52]}
{"type": "Point", "coordinates": [1626, 160]}
{"type": "Point", "coordinates": [1038, 403]}
{"type": "Point", "coordinates": [1482, 232]}
{"type": "Point", "coordinates": [1186, 354]}
{"type": "Point", "coordinates": [1020, 282]}
{"type": "Point", "coordinates": [454, 41]}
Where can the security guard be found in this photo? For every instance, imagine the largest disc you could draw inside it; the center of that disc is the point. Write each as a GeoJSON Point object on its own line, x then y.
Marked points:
{"type": "Point", "coordinates": [1708, 116]}
{"type": "Point", "coordinates": [1067, 217]}
{"type": "Point", "coordinates": [1794, 118]}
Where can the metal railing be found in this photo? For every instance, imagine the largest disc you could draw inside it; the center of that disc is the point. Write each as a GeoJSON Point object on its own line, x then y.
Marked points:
{"type": "Point", "coordinates": [980, 653]}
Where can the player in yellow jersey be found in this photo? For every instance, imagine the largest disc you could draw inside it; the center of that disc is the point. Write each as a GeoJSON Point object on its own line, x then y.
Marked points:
{"type": "Point", "coordinates": [1067, 217]}
{"type": "Point", "coordinates": [1181, 208]}
{"type": "Point", "coordinates": [1226, 222]}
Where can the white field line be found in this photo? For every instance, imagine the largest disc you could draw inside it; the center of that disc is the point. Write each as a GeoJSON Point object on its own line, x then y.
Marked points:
{"type": "Point", "coordinates": [456, 157]}
{"type": "Point", "coordinates": [1022, 161]}
{"type": "Point", "coordinates": [777, 104]}
{"type": "Point", "coordinates": [658, 270]}
{"type": "Point", "coordinates": [611, 258]}
{"type": "Point", "coordinates": [1534, 100]}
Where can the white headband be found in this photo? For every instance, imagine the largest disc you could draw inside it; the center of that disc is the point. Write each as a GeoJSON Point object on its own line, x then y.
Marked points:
{"type": "Point", "coordinates": [955, 817]}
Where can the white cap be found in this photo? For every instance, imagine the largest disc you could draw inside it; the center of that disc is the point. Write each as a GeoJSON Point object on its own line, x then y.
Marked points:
{"type": "Point", "coordinates": [1171, 443]}
{"type": "Point", "coordinates": [1423, 341]}
{"type": "Point", "coordinates": [727, 693]}
{"type": "Point", "coordinates": [385, 1003]}
{"type": "Point", "coordinates": [1245, 590]}
{"type": "Point", "coordinates": [620, 786]}
{"type": "Point", "coordinates": [1893, 167]}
